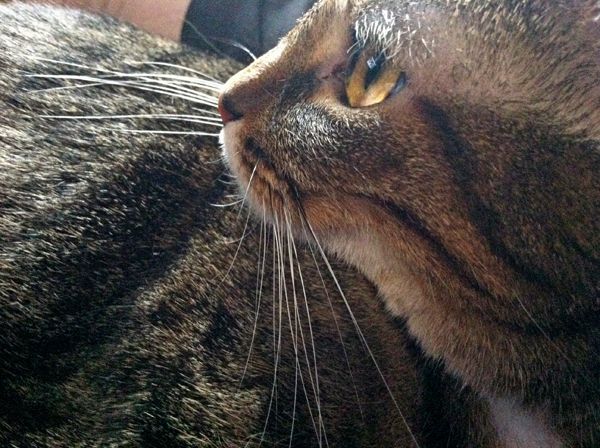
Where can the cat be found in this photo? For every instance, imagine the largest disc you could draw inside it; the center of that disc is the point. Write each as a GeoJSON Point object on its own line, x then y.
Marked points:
{"type": "Point", "coordinates": [131, 313]}
{"type": "Point", "coordinates": [450, 151]}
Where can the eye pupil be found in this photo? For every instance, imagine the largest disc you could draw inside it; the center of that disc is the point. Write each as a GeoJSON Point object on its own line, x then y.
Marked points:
{"type": "Point", "coordinates": [374, 65]}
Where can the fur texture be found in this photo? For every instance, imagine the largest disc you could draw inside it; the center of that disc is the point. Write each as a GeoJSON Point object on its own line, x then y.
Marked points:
{"type": "Point", "coordinates": [470, 197]}
{"type": "Point", "coordinates": [127, 306]}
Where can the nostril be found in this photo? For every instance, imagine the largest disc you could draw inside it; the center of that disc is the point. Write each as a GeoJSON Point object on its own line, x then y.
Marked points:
{"type": "Point", "coordinates": [227, 111]}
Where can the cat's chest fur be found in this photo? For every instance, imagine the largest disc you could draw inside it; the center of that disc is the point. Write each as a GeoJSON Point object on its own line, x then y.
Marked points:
{"type": "Point", "coordinates": [521, 428]}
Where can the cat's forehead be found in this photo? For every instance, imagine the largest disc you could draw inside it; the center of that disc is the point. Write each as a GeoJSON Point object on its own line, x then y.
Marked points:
{"type": "Point", "coordinates": [384, 24]}
{"type": "Point", "coordinates": [393, 26]}
{"type": "Point", "coordinates": [397, 24]}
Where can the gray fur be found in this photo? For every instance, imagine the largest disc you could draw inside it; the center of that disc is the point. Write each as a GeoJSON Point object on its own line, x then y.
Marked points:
{"type": "Point", "coordinates": [121, 324]}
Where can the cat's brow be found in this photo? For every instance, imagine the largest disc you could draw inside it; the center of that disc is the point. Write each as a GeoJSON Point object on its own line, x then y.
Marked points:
{"type": "Point", "coordinates": [396, 30]}
{"type": "Point", "coordinates": [377, 29]}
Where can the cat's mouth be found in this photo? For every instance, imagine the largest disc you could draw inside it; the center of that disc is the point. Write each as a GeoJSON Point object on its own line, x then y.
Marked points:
{"type": "Point", "coordinates": [271, 195]}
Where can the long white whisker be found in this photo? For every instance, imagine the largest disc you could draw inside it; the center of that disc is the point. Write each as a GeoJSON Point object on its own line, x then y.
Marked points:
{"type": "Point", "coordinates": [205, 111]}
{"type": "Point", "coordinates": [180, 67]}
{"type": "Point", "coordinates": [175, 79]}
{"type": "Point", "coordinates": [227, 41]}
{"type": "Point", "coordinates": [231, 204]}
{"type": "Point", "coordinates": [339, 332]}
{"type": "Point", "coordinates": [260, 275]}
{"type": "Point", "coordinates": [317, 428]}
{"type": "Point", "coordinates": [205, 100]}
{"type": "Point", "coordinates": [237, 251]}
{"type": "Point", "coordinates": [208, 78]}
{"type": "Point", "coordinates": [143, 79]}
{"type": "Point", "coordinates": [292, 325]}
{"type": "Point", "coordinates": [146, 131]}
{"type": "Point", "coordinates": [276, 348]}
{"type": "Point", "coordinates": [358, 329]}
{"type": "Point", "coordinates": [322, 432]}
{"type": "Point", "coordinates": [57, 88]}
{"type": "Point", "coordinates": [73, 64]}
{"type": "Point", "coordinates": [209, 121]}
{"type": "Point", "coordinates": [248, 187]}
{"type": "Point", "coordinates": [176, 87]}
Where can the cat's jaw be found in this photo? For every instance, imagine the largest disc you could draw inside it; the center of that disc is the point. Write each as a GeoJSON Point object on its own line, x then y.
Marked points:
{"type": "Point", "coordinates": [398, 286]}
{"type": "Point", "coordinates": [354, 228]}
{"type": "Point", "coordinates": [360, 232]}
{"type": "Point", "coordinates": [267, 194]}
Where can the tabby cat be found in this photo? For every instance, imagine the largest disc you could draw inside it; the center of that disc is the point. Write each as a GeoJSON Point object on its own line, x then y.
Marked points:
{"type": "Point", "coordinates": [450, 150]}
{"type": "Point", "coordinates": [450, 155]}
{"type": "Point", "coordinates": [131, 313]}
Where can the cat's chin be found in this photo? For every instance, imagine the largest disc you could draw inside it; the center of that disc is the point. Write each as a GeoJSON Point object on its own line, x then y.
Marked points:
{"type": "Point", "coordinates": [267, 193]}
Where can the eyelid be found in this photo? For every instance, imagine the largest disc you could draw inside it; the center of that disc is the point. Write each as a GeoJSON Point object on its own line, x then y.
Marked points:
{"type": "Point", "coordinates": [356, 82]}
{"type": "Point", "coordinates": [361, 95]}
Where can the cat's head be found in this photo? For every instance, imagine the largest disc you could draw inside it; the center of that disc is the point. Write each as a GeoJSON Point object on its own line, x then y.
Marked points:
{"type": "Point", "coordinates": [428, 128]}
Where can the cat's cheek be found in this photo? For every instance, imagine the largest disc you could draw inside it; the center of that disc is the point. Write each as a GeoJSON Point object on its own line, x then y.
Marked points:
{"type": "Point", "coordinates": [261, 188]}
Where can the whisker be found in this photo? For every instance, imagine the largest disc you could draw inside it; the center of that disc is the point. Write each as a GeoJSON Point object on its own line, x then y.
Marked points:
{"type": "Point", "coordinates": [306, 224]}
{"type": "Point", "coordinates": [311, 333]}
{"type": "Point", "coordinates": [169, 117]}
{"type": "Point", "coordinates": [339, 332]}
{"type": "Point", "coordinates": [237, 45]}
{"type": "Point", "coordinates": [260, 274]}
{"type": "Point", "coordinates": [147, 131]}
{"type": "Point", "coordinates": [178, 87]}
{"type": "Point", "coordinates": [185, 80]}
{"type": "Point", "coordinates": [276, 346]}
{"type": "Point", "coordinates": [208, 78]}
{"type": "Point", "coordinates": [72, 64]}
{"type": "Point", "coordinates": [58, 88]}
{"type": "Point", "coordinates": [207, 100]}
{"type": "Point", "coordinates": [317, 428]}
{"type": "Point", "coordinates": [207, 40]}
{"type": "Point", "coordinates": [237, 251]}
{"type": "Point", "coordinates": [205, 111]}
{"type": "Point", "coordinates": [248, 186]}
{"type": "Point", "coordinates": [112, 77]}
{"type": "Point", "coordinates": [231, 204]}
{"type": "Point", "coordinates": [180, 67]}
{"type": "Point", "coordinates": [292, 326]}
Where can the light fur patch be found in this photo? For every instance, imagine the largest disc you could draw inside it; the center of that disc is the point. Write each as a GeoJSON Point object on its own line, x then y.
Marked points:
{"type": "Point", "coordinates": [518, 427]}
{"type": "Point", "coordinates": [334, 44]}
{"type": "Point", "coordinates": [366, 252]}
{"type": "Point", "coordinates": [341, 5]}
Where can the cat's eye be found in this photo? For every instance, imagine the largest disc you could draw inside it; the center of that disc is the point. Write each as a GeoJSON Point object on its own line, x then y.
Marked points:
{"type": "Point", "coordinates": [371, 80]}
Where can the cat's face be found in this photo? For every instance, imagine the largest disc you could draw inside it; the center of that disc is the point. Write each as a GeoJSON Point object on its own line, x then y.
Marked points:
{"type": "Point", "coordinates": [332, 110]}
{"type": "Point", "coordinates": [396, 125]}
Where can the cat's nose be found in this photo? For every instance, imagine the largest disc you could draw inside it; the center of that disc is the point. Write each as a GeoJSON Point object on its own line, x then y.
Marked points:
{"type": "Point", "coordinates": [241, 97]}
{"type": "Point", "coordinates": [251, 90]}
{"type": "Point", "coordinates": [227, 110]}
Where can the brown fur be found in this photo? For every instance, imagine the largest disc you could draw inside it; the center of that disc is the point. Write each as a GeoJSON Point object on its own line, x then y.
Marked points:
{"type": "Point", "coordinates": [470, 198]}
{"type": "Point", "coordinates": [127, 306]}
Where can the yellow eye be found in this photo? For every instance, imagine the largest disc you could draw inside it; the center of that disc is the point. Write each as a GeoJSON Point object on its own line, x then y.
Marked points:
{"type": "Point", "coordinates": [372, 81]}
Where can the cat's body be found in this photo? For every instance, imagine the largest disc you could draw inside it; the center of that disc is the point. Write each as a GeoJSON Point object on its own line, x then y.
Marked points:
{"type": "Point", "coordinates": [450, 150]}
{"type": "Point", "coordinates": [127, 305]}
{"type": "Point", "coordinates": [126, 321]}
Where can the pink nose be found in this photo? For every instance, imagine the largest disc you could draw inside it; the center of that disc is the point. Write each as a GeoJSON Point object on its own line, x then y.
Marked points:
{"type": "Point", "coordinates": [227, 112]}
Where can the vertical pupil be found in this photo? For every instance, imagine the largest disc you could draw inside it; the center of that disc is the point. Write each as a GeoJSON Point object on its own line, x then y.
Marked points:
{"type": "Point", "coordinates": [374, 65]}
